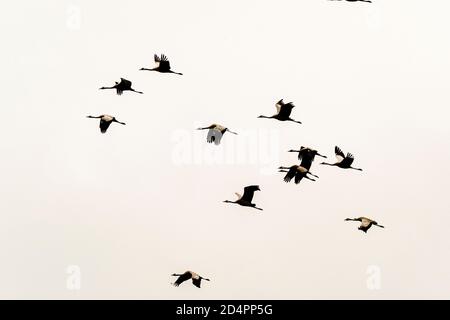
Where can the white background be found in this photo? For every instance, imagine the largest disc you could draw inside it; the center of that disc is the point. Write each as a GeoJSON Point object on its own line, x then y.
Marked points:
{"type": "Point", "coordinates": [371, 78]}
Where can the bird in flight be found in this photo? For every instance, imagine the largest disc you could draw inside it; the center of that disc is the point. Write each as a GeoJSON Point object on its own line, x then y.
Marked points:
{"type": "Point", "coordinates": [306, 156]}
{"type": "Point", "coordinates": [298, 172]}
{"type": "Point", "coordinates": [105, 121]}
{"type": "Point", "coordinates": [196, 279]}
{"type": "Point", "coordinates": [343, 161]}
{"type": "Point", "coordinates": [246, 199]}
{"type": "Point", "coordinates": [215, 133]}
{"type": "Point", "coordinates": [283, 112]}
{"type": "Point", "coordinates": [123, 85]}
{"type": "Point", "coordinates": [366, 223]}
{"type": "Point", "coordinates": [162, 65]}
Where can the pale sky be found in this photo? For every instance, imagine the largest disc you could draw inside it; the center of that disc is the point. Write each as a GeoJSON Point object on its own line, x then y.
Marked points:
{"type": "Point", "coordinates": [134, 205]}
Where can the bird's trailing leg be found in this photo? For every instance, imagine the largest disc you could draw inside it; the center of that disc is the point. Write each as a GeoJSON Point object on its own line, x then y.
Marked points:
{"type": "Point", "coordinates": [299, 122]}
{"type": "Point", "coordinates": [312, 174]}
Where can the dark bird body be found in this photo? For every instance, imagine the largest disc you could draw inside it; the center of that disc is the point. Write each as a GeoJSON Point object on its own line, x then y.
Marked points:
{"type": "Point", "coordinates": [343, 161]}
{"type": "Point", "coordinates": [297, 172]}
{"type": "Point", "coordinates": [306, 156]}
{"type": "Point", "coordinates": [162, 65]}
{"type": "Point", "coordinates": [105, 121]}
{"type": "Point", "coordinates": [246, 199]}
{"type": "Point", "coordinates": [283, 112]}
{"type": "Point", "coordinates": [123, 85]}
{"type": "Point", "coordinates": [366, 223]}
{"type": "Point", "coordinates": [196, 279]}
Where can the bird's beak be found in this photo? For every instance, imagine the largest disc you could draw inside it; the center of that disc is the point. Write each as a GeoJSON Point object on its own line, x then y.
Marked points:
{"type": "Point", "coordinates": [232, 132]}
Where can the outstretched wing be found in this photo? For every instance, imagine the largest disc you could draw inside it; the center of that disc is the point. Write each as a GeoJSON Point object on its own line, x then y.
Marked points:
{"type": "Point", "coordinates": [157, 60]}
{"type": "Point", "coordinates": [339, 154]}
{"type": "Point", "coordinates": [249, 191]}
{"type": "Point", "coordinates": [185, 276]}
{"type": "Point", "coordinates": [278, 105]}
{"type": "Point", "coordinates": [104, 125]}
{"type": "Point", "coordinates": [124, 83]}
{"type": "Point", "coordinates": [238, 195]}
{"type": "Point", "coordinates": [164, 63]}
{"type": "Point", "coordinates": [285, 110]}
{"type": "Point", "coordinates": [348, 160]}
{"type": "Point", "coordinates": [291, 173]}
{"type": "Point", "coordinates": [196, 282]}
{"type": "Point", "coordinates": [298, 177]}
{"type": "Point", "coordinates": [306, 155]}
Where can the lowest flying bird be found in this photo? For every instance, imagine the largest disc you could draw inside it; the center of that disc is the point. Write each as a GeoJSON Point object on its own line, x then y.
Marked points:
{"type": "Point", "coordinates": [246, 199]}
{"type": "Point", "coordinates": [196, 279]}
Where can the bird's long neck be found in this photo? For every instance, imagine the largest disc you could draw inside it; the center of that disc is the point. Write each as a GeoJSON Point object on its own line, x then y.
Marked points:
{"type": "Point", "coordinates": [328, 164]}
{"type": "Point", "coordinates": [265, 117]}
{"type": "Point", "coordinates": [136, 91]}
{"type": "Point", "coordinates": [359, 169]}
{"type": "Point", "coordinates": [299, 122]}
{"type": "Point", "coordinates": [228, 201]}
{"type": "Point", "coordinates": [103, 88]}
{"type": "Point", "coordinates": [147, 69]}
{"type": "Point", "coordinates": [176, 72]}
{"type": "Point", "coordinates": [94, 117]}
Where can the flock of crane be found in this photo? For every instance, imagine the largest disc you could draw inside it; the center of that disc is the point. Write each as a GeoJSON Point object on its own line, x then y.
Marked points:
{"type": "Point", "coordinates": [306, 155]}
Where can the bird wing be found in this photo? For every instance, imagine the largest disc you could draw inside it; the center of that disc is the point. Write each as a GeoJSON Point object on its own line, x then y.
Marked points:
{"type": "Point", "coordinates": [339, 154]}
{"type": "Point", "coordinates": [238, 195]}
{"type": "Point", "coordinates": [291, 173]}
{"type": "Point", "coordinates": [348, 160]}
{"type": "Point", "coordinates": [211, 136]}
{"type": "Point", "coordinates": [278, 105]}
{"type": "Point", "coordinates": [125, 83]}
{"type": "Point", "coordinates": [298, 177]}
{"type": "Point", "coordinates": [185, 276]}
{"type": "Point", "coordinates": [104, 124]}
{"type": "Point", "coordinates": [249, 191]}
{"type": "Point", "coordinates": [303, 151]}
{"type": "Point", "coordinates": [164, 63]}
{"type": "Point", "coordinates": [196, 282]}
{"type": "Point", "coordinates": [306, 155]}
{"type": "Point", "coordinates": [365, 222]}
{"type": "Point", "coordinates": [285, 110]}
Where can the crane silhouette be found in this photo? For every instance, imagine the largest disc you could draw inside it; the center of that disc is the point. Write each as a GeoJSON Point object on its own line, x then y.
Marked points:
{"type": "Point", "coordinates": [343, 161]}
{"type": "Point", "coordinates": [283, 112]}
{"type": "Point", "coordinates": [162, 65]}
{"type": "Point", "coordinates": [366, 223]}
{"type": "Point", "coordinates": [105, 121]}
{"type": "Point", "coordinates": [296, 171]}
{"type": "Point", "coordinates": [307, 155]}
{"type": "Point", "coordinates": [123, 85]}
{"type": "Point", "coordinates": [182, 277]}
{"type": "Point", "coordinates": [215, 133]}
{"type": "Point", "coordinates": [246, 199]}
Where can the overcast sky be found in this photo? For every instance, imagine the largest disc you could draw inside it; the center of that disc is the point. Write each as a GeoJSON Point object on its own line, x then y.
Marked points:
{"type": "Point", "coordinates": [134, 205]}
